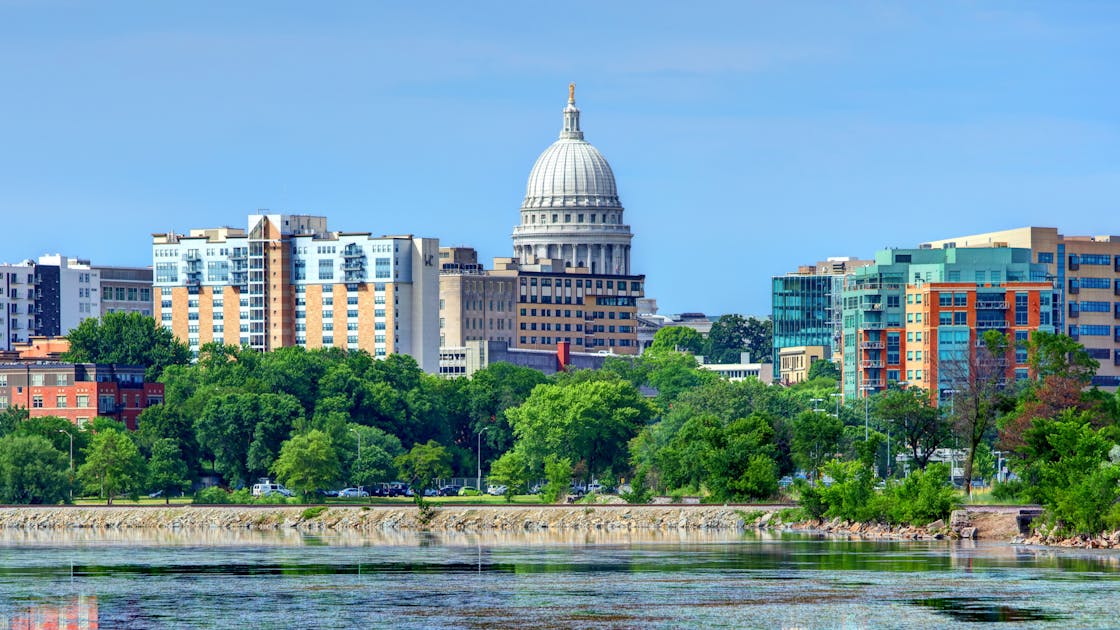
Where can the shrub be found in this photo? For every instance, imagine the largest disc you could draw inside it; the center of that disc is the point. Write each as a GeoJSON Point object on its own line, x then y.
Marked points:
{"type": "Point", "coordinates": [211, 496]}
{"type": "Point", "coordinates": [639, 491]}
{"type": "Point", "coordinates": [314, 512]}
{"type": "Point", "coordinates": [921, 498]}
{"type": "Point", "coordinates": [1089, 505]}
{"type": "Point", "coordinates": [850, 497]}
{"type": "Point", "coordinates": [1008, 491]}
{"type": "Point", "coordinates": [810, 499]}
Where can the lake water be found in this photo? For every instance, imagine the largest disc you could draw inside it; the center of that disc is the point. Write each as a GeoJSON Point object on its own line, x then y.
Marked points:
{"type": "Point", "coordinates": [219, 579]}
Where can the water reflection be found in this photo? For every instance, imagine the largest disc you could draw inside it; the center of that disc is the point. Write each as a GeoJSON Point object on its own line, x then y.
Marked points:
{"type": "Point", "coordinates": [218, 578]}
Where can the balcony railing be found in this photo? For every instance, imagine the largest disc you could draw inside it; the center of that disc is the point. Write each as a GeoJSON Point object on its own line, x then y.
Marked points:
{"type": "Point", "coordinates": [872, 307]}
{"type": "Point", "coordinates": [871, 345]}
{"type": "Point", "coordinates": [870, 364]}
{"type": "Point", "coordinates": [991, 324]}
{"type": "Point", "coordinates": [992, 305]}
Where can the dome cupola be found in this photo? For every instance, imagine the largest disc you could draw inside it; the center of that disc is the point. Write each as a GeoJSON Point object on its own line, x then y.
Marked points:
{"type": "Point", "coordinates": [571, 208]}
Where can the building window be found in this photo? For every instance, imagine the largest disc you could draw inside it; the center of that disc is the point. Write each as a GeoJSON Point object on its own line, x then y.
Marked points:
{"type": "Point", "coordinates": [326, 270]}
{"type": "Point", "coordinates": [60, 401]}
{"type": "Point", "coordinates": [37, 401]}
{"type": "Point", "coordinates": [37, 380]}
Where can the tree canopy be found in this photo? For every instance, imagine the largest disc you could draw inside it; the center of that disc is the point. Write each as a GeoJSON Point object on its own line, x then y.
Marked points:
{"type": "Point", "coordinates": [126, 339]}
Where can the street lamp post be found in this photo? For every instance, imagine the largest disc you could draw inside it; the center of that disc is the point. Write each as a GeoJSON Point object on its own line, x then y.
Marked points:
{"type": "Point", "coordinates": [816, 402]}
{"type": "Point", "coordinates": [478, 481]}
{"type": "Point", "coordinates": [837, 396]}
{"type": "Point", "coordinates": [71, 436]}
{"type": "Point", "coordinates": [358, 462]}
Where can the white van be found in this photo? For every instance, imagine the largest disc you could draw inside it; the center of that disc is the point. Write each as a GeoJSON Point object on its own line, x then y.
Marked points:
{"type": "Point", "coordinates": [266, 487]}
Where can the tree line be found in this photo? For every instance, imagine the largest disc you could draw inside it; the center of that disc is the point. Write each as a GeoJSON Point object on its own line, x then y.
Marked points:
{"type": "Point", "coordinates": [236, 414]}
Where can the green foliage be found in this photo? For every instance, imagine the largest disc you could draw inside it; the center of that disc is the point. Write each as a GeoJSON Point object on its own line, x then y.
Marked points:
{"type": "Point", "coordinates": [824, 369]}
{"type": "Point", "coordinates": [307, 463]}
{"type": "Point", "coordinates": [313, 512]}
{"type": "Point", "coordinates": [678, 339]}
{"type": "Point", "coordinates": [923, 497]}
{"type": "Point", "coordinates": [1011, 491]}
{"type": "Point", "coordinates": [211, 496]}
{"type": "Point", "coordinates": [167, 471]}
{"type": "Point", "coordinates": [732, 334]}
{"type": "Point", "coordinates": [916, 424]}
{"type": "Point", "coordinates": [113, 465]}
{"type": "Point", "coordinates": [558, 472]}
{"type": "Point", "coordinates": [126, 339]}
{"type": "Point", "coordinates": [512, 471]}
{"type": "Point", "coordinates": [816, 439]}
{"type": "Point", "coordinates": [32, 470]}
{"type": "Point", "coordinates": [639, 490]}
{"type": "Point", "coordinates": [423, 465]}
{"type": "Point", "coordinates": [590, 421]}
{"type": "Point", "coordinates": [850, 496]}
{"type": "Point", "coordinates": [243, 432]}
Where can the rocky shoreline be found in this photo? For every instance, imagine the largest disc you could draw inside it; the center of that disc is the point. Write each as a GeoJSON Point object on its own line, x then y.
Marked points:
{"type": "Point", "coordinates": [969, 524]}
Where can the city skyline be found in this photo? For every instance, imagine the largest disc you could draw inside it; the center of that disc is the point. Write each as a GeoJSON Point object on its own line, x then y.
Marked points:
{"type": "Point", "coordinates": [769, 135]}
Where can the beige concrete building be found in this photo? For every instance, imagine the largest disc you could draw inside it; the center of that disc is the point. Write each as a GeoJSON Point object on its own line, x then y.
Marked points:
{"type": "Point", "coordinates": [794, 362]}
{"type": "Point", "coordinates": [1087, 270]}
{"type": "Point", "coordinates": [126, 290]}
{"type": "Point", "coordinates": [473, 305]}
{"type": "Point", "coordinates": [288, 280]}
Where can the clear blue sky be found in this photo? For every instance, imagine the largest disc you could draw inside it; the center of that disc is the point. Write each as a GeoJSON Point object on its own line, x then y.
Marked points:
{"type": "Point", "coordinates": [746, 137]}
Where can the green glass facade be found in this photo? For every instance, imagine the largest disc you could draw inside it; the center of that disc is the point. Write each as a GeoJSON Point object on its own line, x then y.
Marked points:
{"type": "Point", "coordinates": [805, 312]}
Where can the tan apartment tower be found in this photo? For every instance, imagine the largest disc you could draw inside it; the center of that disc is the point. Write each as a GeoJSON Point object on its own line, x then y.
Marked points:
{"type": "Point", "coordinates": [289, 281]}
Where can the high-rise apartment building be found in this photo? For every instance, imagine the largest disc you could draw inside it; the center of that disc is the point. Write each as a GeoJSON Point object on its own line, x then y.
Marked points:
{"type": "Point", "coordinates": [287, 280]}
{"type": "Point", "coordinates": [806, 309]}
{"type": "Point", "coordinates": [48, 297]}
{"type": "Point", "coordinates": [1087, 270]}
{"type": "Point", "coordinates": [915, 312]}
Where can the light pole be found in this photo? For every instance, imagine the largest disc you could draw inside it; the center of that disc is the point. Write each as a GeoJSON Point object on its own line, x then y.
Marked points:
{"type": "Point", "coordinates": [359, 460]}
{"type": "Point", "coordinates": [71, 436]}
{"type": "Point", "coordinates": [837, 396]}
{"type": "Point", "coordinates": [478, 482]}
{"type": "Point", "coordinates": [816, 402]}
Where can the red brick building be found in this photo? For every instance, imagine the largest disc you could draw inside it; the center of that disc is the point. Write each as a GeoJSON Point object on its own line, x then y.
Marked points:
{"type": "Point", "coordinates": [78, 392]}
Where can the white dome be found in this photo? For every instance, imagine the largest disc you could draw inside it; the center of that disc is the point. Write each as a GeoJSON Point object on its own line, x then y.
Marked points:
{"type": "Point", "coordinates": [571, 174]}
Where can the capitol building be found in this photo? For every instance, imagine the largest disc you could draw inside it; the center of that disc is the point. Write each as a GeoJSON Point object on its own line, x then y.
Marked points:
{"type": "Point", "coordinates": [569, 287]}
{"type": "Point", "coordinates": [571, 210]}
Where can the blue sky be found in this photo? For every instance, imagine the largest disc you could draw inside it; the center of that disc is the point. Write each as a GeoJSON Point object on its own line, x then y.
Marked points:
{"type": "Point", "coordinates": [746, 138]}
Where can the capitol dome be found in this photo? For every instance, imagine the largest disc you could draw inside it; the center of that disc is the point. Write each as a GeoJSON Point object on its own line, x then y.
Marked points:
{"type": "Point", "coordinates": [571, 210]}
{"type": "Point", "coordinates": [571, 173]}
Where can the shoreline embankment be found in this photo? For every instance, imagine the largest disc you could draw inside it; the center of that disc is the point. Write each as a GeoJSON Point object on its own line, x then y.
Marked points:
{"type": "Point", "coordinates": [972, 523]}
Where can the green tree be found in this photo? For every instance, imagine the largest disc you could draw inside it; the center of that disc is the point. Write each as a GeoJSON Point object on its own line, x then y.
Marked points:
{"type": "Point", "coordinates": [126, 339]}
{"type": "Point", "coordinates": [32, 471]}
{"type": "Point", "coordinates": [824, 369]}
{"type": "Point", "coordinates": [490, 393]}
{"type": "Point", "coordinates": [167, 472]}
{"type": "Point", "coordinates": [816, 439]}
{"type": "Point", "coordinates": [11, 419]}
{"type": "Point", "coordinates": [678, 339]}
{"type": "Point", "coordinates": [590, 421]}
{"type": "Point", "coordinates": [512, 471]}
{"type": "Point", "coordinates": [423, 465]}
{"type": "Point", "coordinates": [113, 465]}
{"type": "Point", "coordinates": [732, 334]}
{"type": "Point", "coordinates": [558, 472]}
{"type": "Point", "coordinates": [307, 463]}
{"type": "Point", "coordinates": [243, 432]}
{"type": "Point", "coordinates": [915, 423]}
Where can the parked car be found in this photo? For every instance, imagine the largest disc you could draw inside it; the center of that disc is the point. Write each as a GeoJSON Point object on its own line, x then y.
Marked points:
{"type": "Point", "coordinates": [537, 488]}
{"type": "Point", "coordinates": [496, 491]}
{"type": "Point", "coordinates": [396, 489]}
{"type": "Point", "coordinates": [469, 491]}
{"type": "Point", "coordinates": [350, 493]}
{"type": "Point", "coordinates": [577, 490]}
{"type": "Point", "coordinates": [327, 493]}
{"type": "Point", "coordinates": [450, 491]}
